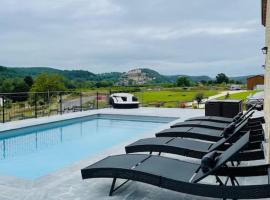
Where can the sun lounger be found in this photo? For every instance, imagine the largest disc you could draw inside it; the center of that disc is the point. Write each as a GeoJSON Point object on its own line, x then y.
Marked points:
{"type": "Point", "coordinates": [210, 134]}
{"type": "Point", "coordinates": [183, 176]}
{"type": "Point", "coordinates": [225, 119]}
{"type": "Point", "coordinates": [202, 124]}
{"type": "Point", "coordinates": [193, 148]}
{"type": "Point", "coordinates": [214, 125]}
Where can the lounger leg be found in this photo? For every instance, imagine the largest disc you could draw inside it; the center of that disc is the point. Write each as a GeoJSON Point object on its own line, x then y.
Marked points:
{"type": "Point", "coordinates": [234, 181]}
{"type": "Point", "coordinates": [226, 182]}
{"type": "Point", "coordinates": [219, 181]}
{"type": "Point", "coordinates": [113, 189]}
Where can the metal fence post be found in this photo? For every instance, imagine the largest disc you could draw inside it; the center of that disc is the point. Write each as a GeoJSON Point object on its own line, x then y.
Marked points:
{"type": "Point", "coordinates": [49, 102]}
{"type": "Point", "coordinates": [97, 99]}
{"type": "Point", "coordinates": [142, 95]}
{"type": "Point", "coordinates": [35, 105]}
{"type": "Point", "coordinates": [61, 105]}
{"type": "Point", "coordinates": [81, 101]}
{"type": "Point", "coordinates": [3, 108]}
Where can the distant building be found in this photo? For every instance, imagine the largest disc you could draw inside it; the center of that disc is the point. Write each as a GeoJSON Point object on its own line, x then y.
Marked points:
{"type": "Point", "coordinates": [134, 76]}
{"type": "Point", "coordinates": [255, 82]}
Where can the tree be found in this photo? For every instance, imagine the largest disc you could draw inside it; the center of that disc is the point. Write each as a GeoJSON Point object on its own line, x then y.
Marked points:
{"type": "Point", "coordinates": [183, 81]}
{"type": "Point", "coordinates": [232, 81]}
{"type": "Point", "coordinates": [104, 84]}
{"type": "Point", "coordinates": [199, 97]}
{"type": "Point", "coordinates": [7, 86]}
{"type": "Point", "coordinates": [20, 86]}
{"type": "Point", "coordinates": [204, 82]}
{"type": "Point", "coordinates": [45, 82]}
{"type": "Point", "coordinates": [222, 78]}
{"type": "Point", "coordinates": [21, 89]}
{"type": "Point", "coordinates": [227, 96]}
{"type": "Point", "coordinates": [238, 82]}
{"type": "Point", "coordinates": [29, 81]}
{"type": "Point", "coordinates": [210, 82]}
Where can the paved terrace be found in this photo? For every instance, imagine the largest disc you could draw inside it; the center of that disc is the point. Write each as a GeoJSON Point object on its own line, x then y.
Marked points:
{"type": "Point", "coordinates": [66, 184]}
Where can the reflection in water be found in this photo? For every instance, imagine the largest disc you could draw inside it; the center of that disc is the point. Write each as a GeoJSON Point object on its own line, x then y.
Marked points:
{"type": "Point", "coordinates": [36, 141]}
{"type": "Point", "coordinates": [37, 151]}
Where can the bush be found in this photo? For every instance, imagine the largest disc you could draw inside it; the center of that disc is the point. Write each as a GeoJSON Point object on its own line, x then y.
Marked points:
{"type": "Point", "coordinates": [194, 106]}
{"type": "Point", "coordinates": [199, 97]}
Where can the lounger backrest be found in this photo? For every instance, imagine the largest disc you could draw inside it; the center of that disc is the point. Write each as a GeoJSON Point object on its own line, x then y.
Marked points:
{"type": "Point", "coordinates": [245, 114]}
{"type": "Point", "coordinates": [240, 125]}
{"type": "Point", "coordinates": [229, 139]}
{"type": "Point", "coordinates": [245, 118]}
{"type": "Point", "coordinates": [224, 157]}
{"type": "Point", "coordinates": [238, 117]}
{"type": "Point", "coordinates": [233, 150]}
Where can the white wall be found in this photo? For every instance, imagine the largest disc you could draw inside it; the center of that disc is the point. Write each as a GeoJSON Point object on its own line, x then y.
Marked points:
{"type": "Point", "coordinates": [267, 80]}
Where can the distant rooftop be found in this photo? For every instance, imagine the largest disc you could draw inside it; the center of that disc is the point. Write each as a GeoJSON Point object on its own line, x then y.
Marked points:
{"type": "Point", "coordinates": [264, 8]}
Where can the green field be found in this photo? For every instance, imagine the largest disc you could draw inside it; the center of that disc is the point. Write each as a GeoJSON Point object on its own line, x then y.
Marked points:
{"type": "Point", "coordinates": [242, 95]}
{"type": "Point", "coordinates": [168, 98]}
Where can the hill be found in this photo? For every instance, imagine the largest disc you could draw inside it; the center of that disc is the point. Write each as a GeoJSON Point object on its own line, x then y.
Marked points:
{"type": "Point", "coordinates": [242, 79]}
{"type": "Point", "coordinates": [173, 78]}
{"type": "Point", "coordinates": [150, 76]}
{"type": "Point", "coordinates": [70, 74]}
{"type": "Point", "coordinates": [155, 76]}
{"type": "Point", "coordinates": [84, 75]}
{"type": "Point", "coordinates": [146, 75]}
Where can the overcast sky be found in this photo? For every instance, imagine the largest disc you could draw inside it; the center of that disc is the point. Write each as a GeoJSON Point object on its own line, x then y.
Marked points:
{"type": "Point", "coordinates": [193, 37]}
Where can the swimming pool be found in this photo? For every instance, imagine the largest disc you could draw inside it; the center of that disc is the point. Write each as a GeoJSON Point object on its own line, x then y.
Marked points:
{"type": "Point", "coordinates": [36, 151]}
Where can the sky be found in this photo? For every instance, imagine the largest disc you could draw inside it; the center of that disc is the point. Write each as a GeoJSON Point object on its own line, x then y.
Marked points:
{"type": "Point", "coordinates": [191, 37]}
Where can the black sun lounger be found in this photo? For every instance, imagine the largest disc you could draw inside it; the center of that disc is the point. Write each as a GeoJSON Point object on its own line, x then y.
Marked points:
{"type": "Point", "coordinates": [210, 134]}
{"type": "Point", "coordinates": [238, 117]}
{"type": "Point", "coordinates": [225, 119]}
{"type": "Point", "coordinates": [215, 125]}
{"type": "Point", "coordinates": [193, 148]}
{"type": "Point", "coordinates": [202, 124]}
{"type": "Point", "coordinates": [182, 176]}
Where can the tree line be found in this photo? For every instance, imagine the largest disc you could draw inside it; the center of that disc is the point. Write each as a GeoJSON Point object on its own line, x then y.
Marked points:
{"type": "Point", "coordinates": [183, 81]}
{"type": "Point", "coordinates": [45, 82]}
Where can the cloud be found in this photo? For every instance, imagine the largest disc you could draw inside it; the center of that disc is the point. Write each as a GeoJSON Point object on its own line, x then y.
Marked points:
{"type": "Point", "coordinates": [179, 36]}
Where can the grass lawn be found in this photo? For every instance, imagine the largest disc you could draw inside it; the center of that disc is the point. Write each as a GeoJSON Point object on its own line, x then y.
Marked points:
{"type": "Point", "coordinates": [170, 98]}
{"type": "Point", "coordinates": [242, 95]}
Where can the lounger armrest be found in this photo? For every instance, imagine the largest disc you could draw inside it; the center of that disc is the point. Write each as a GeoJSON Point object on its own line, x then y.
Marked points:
{"type": "Point", "coordinates": [224, 157]}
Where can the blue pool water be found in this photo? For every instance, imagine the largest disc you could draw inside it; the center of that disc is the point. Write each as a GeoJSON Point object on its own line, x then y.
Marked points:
{"type": "Point", "coordinates": [32, 153]}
